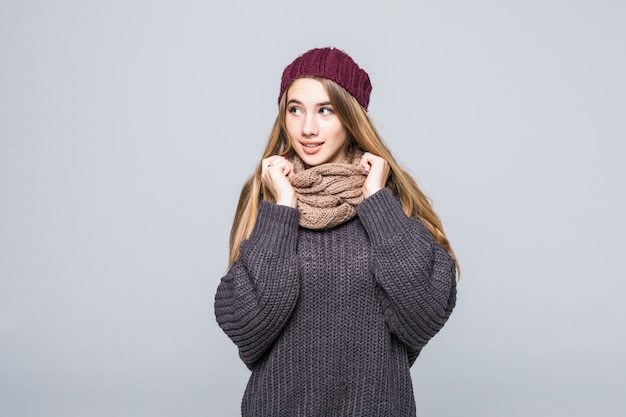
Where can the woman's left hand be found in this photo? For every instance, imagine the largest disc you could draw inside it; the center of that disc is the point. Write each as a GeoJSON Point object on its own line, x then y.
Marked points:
{"type": "Point", "coordinates": [378, 173]}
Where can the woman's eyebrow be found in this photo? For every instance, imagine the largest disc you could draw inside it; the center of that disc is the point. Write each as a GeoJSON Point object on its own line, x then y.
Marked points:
{"type": "Point", "coordinates": [323, 103]}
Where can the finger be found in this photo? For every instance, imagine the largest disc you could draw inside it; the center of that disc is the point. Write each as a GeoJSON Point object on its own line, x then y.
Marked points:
{"type": "Point", "coordinates": [266, 162]}
{"type": "Point", "coordinates": [365, 165]}
{"type": "Point", "coordinates": [269, 162]}
{"type": "Point", "coordinates": [287, 168]}
{"type": "Point", "coordinates": [367, 161]}
{"type": "Point", "coordinates": [282, 165]}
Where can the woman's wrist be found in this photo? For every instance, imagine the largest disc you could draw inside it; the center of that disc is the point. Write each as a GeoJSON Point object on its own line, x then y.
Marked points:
{"type": "Point", "coordinates": [288, 200]}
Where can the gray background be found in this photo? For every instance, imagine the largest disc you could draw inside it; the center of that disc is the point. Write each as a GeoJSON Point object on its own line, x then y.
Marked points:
{"type": "Point", "coordinates": [128, 127]}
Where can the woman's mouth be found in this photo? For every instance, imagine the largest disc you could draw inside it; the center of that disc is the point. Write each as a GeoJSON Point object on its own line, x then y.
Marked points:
{"type": "Point", "coordinates": [311, 148]}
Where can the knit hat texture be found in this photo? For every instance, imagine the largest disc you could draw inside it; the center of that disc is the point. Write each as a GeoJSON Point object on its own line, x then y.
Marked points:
{"type": "Point", "coordinates": [333, 64]}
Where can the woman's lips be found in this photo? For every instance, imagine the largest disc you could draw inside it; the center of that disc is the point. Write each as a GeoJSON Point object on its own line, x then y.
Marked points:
{"type": "Point", "coordinates": [311, 148]}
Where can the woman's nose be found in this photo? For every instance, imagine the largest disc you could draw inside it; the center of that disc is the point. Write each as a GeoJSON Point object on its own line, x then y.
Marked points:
{"type": "Point", "coordinates": [310, 127]}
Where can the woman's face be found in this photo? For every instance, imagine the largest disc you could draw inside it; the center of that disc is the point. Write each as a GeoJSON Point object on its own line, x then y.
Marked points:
{"type": "Point", "coordinates": [316, 134]}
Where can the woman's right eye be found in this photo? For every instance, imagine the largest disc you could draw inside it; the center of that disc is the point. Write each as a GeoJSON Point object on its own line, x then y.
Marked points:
{"type": "Point", "coordinates": [294, 110]}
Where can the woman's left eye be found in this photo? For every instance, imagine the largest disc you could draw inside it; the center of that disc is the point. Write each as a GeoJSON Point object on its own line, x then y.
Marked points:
{"type": "Point", "coordinates": [326, 110]}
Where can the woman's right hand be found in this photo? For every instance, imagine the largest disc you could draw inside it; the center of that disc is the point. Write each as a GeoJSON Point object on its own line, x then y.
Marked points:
{"type": "Point", "coordinates": [274, 172]}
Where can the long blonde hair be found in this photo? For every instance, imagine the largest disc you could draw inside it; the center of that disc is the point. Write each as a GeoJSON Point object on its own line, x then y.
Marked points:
{"type": "Point", "coordinates": [363, 135]}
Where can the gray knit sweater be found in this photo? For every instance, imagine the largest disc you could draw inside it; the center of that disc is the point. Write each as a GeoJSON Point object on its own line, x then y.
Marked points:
{"type": "Point", "coordinates": [329, 322]}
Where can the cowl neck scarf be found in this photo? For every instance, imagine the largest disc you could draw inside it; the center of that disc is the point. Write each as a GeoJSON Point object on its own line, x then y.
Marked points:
{"type": "Point", "coordinates": [327, 194]}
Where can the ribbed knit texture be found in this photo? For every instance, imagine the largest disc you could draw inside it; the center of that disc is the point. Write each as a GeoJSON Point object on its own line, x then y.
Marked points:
{"type": "Point", "coordinates": [327, 194]}
{"type": "Point", "coordinates": [330, 321]}
{"type": "Point", "coordinates": [332, 64]}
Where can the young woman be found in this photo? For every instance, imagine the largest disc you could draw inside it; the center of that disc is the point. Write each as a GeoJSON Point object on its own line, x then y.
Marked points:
{"type": "Point", "coordinates": [340, 271]}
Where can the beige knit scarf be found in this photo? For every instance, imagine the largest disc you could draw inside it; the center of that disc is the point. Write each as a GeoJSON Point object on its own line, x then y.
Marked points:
{"type": "Point", "coordinates": [327, 194]}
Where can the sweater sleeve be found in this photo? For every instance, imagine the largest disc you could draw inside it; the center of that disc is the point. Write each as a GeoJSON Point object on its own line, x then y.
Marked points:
{"type": "Point", "coordinates": [416, 277]}
{"type": "Point", "coordinates": [256, 297]}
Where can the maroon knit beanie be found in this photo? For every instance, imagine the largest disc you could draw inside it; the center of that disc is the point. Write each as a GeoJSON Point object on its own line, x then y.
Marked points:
{"type": "Point", "coordinates": [334, 65]}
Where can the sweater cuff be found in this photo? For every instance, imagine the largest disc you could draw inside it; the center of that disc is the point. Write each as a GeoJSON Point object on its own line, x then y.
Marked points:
{"type": "Point", "coordinates": [276, 226]}
{"type": "Point", "coordinates": [383, 217]}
